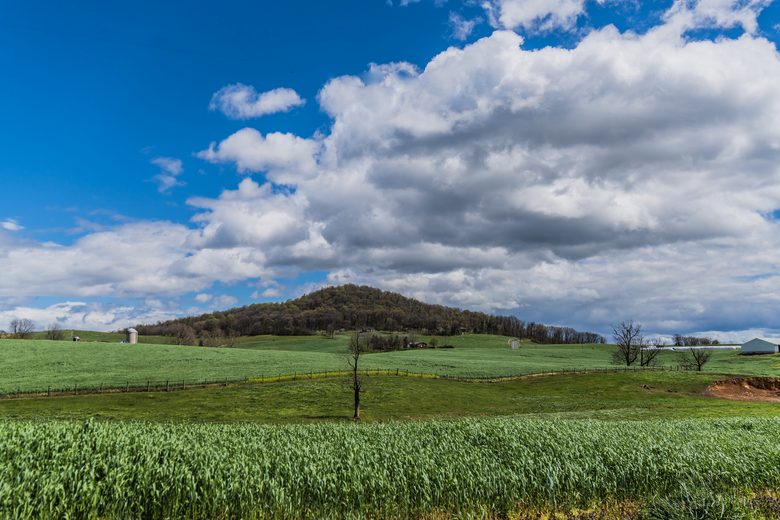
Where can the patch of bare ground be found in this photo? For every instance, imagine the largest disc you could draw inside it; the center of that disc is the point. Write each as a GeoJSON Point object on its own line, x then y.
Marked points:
{"type": "Point", "coordinates": [762, 389]}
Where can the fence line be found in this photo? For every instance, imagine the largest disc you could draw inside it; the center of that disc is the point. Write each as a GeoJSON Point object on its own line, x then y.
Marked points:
{"type": "Point", "coordinates": [169, 385]}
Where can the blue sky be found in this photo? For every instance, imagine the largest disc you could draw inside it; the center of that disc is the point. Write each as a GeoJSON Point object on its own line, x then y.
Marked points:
{"type": "Point", "coordinates": [572, 162]}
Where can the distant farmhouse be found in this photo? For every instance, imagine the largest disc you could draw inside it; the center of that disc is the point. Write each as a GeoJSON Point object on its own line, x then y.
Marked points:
{"type": "Point", "coordinates": [761, 346]}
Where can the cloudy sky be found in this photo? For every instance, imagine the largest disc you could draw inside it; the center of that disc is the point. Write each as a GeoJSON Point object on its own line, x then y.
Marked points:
{"type": "Point", "coordinates": [574, 162]}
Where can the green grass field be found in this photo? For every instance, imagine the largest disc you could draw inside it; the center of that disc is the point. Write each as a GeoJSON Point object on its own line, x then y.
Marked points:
{"type": "Point", "coordinates": [454, 469]}
{"type": "Point", "coordinates": [34, 365]}
{"type": "Point", "coordinates": [608, 396]}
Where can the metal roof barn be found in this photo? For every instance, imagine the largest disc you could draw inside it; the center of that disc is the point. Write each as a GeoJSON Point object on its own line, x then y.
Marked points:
{"type": "Point", "coordinates": [761, 346]}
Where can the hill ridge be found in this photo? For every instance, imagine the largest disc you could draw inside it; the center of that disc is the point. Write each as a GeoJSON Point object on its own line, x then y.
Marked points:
{"type": "Point", "coordinates": [355, 307]}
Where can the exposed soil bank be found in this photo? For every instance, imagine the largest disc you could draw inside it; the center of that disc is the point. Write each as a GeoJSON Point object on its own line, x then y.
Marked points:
{"type": "Point", "coordinates": [764, 389]}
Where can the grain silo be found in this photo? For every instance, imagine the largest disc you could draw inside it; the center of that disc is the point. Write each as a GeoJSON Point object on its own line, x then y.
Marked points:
{"type": "Point", "coordinates": [132, 336]}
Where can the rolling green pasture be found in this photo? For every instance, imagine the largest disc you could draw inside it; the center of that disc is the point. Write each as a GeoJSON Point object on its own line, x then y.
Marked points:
{"type": "Point", "coordinates": [33, 365]}
{"type": "Point", "coordinates": [609, 396]}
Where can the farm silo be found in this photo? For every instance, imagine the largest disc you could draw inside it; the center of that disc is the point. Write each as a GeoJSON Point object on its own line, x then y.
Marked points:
{"type": "Point", "coordinates": [132, 336]}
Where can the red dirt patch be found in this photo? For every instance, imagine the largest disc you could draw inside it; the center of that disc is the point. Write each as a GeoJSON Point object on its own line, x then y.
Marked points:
{"type": "Point", "coordinates": [764, 389]}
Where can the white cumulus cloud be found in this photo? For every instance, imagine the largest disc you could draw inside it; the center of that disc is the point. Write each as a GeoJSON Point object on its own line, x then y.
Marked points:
{"type": "Point", "coordinates": [276, 152]}
{"type": "Point", "coordinates": [243, 102]}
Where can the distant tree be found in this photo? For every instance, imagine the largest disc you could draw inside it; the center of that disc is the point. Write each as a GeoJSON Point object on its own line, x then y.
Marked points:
{"type": "Point", "coordinates": [648, 356]}
{"type": "Point", "coordinates": [412, 336]}
{"type": "Point", "coordinates": [205, 339]}
{"type": "Point", "coordinates": [445, 340]}
{"type": "Point", "coordinates": [188, 336]}
{"type": "Point", "coordinates": [695, 357]}
{"type": "Point", "coordinates": [232, 338]}
{"type": "Point", "coordinates": [433, 342]}
{"type": "Point", "coordinates": [357, 347]}
{"type": "Point", "coordinates": [55, 332]}
{"type": "Point", "coordinates": [629, 340]}
{"type": "Point", "coordinates": [22, 328]}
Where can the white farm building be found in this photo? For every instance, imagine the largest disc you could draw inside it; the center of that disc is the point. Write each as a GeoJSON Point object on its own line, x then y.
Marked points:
{"type": "Point", "coordinates": [761, 346]}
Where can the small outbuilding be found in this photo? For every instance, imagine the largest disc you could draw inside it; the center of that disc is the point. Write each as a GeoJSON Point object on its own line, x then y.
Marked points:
{"type": "Point", "coordinates": [761, 346]}
{"type": "Point", "coordinates": [132, 336]}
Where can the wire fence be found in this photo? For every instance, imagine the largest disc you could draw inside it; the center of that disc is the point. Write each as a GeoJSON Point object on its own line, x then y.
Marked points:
{"type": "Point", "coordinates": [171, 385]}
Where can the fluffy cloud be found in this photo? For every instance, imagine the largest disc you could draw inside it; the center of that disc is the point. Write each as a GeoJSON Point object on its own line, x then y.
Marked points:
{"type": "Point", "coordinates": [534, 15]}
{"type": "Point", "coordinates": [133, 260]}
{"type": "Point", "coordinates": [202, 298]}
{"type": "Point", "coordinates": [171, 168]}
{"type": "Point", "coordinates": [276, 152]}
{"type": "Point", "coordinates": [243, 102]}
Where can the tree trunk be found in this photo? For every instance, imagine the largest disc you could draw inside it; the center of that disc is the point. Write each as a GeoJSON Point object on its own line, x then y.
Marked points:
{"type": "Point", "coordinates": [357, 405]}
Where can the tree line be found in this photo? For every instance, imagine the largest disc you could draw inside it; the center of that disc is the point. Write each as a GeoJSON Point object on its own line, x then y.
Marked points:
{"type": "Point", "coordinates": [353, 307]}
{"type": "Point", "coordinates": [692, 341]}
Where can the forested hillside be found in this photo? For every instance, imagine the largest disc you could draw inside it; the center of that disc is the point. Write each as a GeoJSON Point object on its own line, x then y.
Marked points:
{"type": "Point", "coordinates": [353, 307]}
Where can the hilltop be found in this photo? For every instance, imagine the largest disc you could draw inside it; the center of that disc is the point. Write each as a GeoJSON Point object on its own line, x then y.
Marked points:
{"type": "Point", "coordinates": [354, 307]}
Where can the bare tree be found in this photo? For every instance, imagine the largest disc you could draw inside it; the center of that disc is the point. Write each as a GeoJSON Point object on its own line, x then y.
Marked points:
{"type": "Point", "coordinates": [648, 356]}
{"type": "Point", "coordinates": [629, 340]}
{"type": "Point", "coordinates": [22, 328]}
{"type": "Point", "coordinates": [413, 336]}
{"type": "Point", "coordinates": [357, 383]}
{"type": "Point", "coordinates": [55, 332]}
{"type": "Point", "coordinates": [695, 357]}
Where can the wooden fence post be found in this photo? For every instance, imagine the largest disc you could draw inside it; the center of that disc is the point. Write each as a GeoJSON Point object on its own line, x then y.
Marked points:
{"type": "Point", "coordinates": [101, 388]}
{"type": "Point", "coordinates": [166, 385]}
{"type": "Point", "coordinates": [48, 392]}
{"type": "Point", "coordinates": [76, 389]}
{"type": "Point", "coordinates": [148, 384]}
{"type": "Point", "coordinates": [127, 387]}
{"type": "Point", "coordinates": [225, 380]}
{"type": "Point", "coordinates": [183, 386]}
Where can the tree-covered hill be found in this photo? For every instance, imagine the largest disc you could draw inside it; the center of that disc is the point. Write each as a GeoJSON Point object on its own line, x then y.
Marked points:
{"type": "Point", "coordinates": [354, 307]}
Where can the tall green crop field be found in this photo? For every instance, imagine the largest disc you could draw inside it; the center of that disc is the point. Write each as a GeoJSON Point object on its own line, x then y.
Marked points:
{"type": "Point", "coordinates": [465, 468]}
